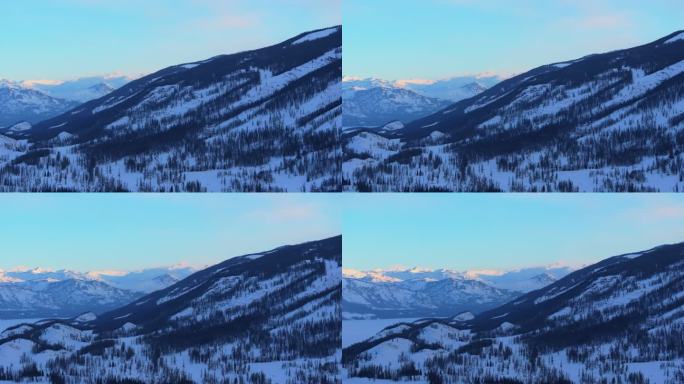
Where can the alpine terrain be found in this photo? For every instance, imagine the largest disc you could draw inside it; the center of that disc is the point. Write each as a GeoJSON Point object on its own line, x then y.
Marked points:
{"type": "Point", "coordinates": [80, 90]}
{"type": "Point", "coordinates": [272, 317]}
{"type": "Point", "coordinates": [604, 122]}
{"type": "Point", "coordinates": [620, 320]}
{"type": "Point", "coordinates": [42, 293]}
{"type": "Point", "coordinates": [262, 120]}
{"type": "Point", "coordinates": [410, 293]}
{"type": "Point", "coordinates": [21, 106]}
{"type": "Point", "coordinates": [376, 103]}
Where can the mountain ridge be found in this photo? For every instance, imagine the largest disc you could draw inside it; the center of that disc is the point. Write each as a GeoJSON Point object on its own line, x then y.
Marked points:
{"type": "Point", "coordinates": [604, 122]}
{"type": "Point", "coordinates": [267, 317]}
{"type": "Point", "coordinates": [373, 102]}
{"type": "Point", "coordinates": [420, 292]}
{"type": "Point", "coordinates": [622, 311]}
{"type": "Point", "coordinates": [260, 120]}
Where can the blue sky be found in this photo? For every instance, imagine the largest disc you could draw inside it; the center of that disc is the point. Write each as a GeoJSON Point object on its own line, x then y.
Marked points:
{"type": "Point", "coordinates": [65, 39]}
{"type": "Point", "coordinates": [128, 232]}
{"type": "Point", "coordinates": [504, 231]}
{"type": "Point", "coordinates": [433, 39]}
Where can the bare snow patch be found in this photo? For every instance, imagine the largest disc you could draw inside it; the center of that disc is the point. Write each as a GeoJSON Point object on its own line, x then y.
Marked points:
{"type": "Point", "coordinates": [88, 316]}
{"type": "Point", "coordinates": [465, 316]}
{"type": "Point", "coordinates": [679, 37]}
{"type": "Point", "coordinates": [393, 126]}
{"type": "Point", "coordinates": [316, 35]}
{"type": "Point", "coordinates": [20, 127]}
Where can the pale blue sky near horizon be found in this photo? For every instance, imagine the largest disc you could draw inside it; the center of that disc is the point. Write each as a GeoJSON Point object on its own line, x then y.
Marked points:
{"type": "Point", "coordinates": [86, 232]}
{"type": "Point", "coordinates": [67, 39]}
{"type": "Point", "coordinates": [504, 231]}
{"type": "Point", "coordinates": [435, 39]}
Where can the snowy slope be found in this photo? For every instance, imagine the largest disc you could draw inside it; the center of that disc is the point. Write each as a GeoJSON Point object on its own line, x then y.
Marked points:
{"type": "Point", "coordinates": [621, 319]}
{"type": "Point", "coordinates": [262, 120]}
{"type": "Point", "coordinates": [605, 122]}
{"type": "Point", "coordinates": [272, 317]}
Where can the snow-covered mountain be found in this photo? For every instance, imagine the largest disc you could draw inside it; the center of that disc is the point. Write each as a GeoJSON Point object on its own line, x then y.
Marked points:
{"type": "Point", "coordinates": [19, 103]}
{"type": "Point", "coordinates": [619, 320]}
{"type": "Point", "coordinates": [524, 279]}
{"type": "Point", "coordinates": [453, 89]}
{"type": "Point", "coordinates": [604, 122]}
{"type": "Point", "coordinates": [374, 103]}
{"type": "Point", "coordinates": [36, 292]}
{"type": "Point", "coordinates": [59, 298]}
{"type": "Point", "coordinates": [80, 90]}
{"type": "Point", "coordinates": [260, 318]}
{"type": "Point", "coordinates": [418, 292]}
{"type": "Point", "coordinates": [261, 120]}
{"type": "Point", "coordinates": [146, 280]}
{"type": "Point", "coordinates": [418, 298]}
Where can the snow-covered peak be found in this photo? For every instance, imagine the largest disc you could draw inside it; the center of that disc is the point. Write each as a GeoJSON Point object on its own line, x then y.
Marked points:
{"type": "Point", "coordinates": [373, 276]}
{"type": "Point", "coordinates": [9, 84]}
{"type": "Point", "coordinates": [316, 35]}
{"type": "Point", "coordinates": [361, 84]}
{"type": "Point", "coordinates": [20, 103]}
{"type": "Point", "coordinates": [8, 279]}
{"type": "Point", "coordinates": [678, 37]}
{"type": "Point", "coordinates": [353, 273]}
{"type": "Point", "coordinates": [519, 280]}
{"type": "Point", "coordinates": [146, 280]}
{"type": "Point", "coordinates": [81, 89]}
{"type": "Point", "coordinates": [454, 88]}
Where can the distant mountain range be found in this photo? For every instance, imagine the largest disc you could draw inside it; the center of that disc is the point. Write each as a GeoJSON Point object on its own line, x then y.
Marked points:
{"type": "Point", "coordinates": [80, 90]}
{"type": "Point", "coordinates": [34, 101]}
{"type": "Point", "coordinates": [20, 104]}
{"type": "Point", "coordinates": [416, 292]}
{"type": "Point", "coordinates": [619, 320]}
{"type": "Point", "coordinates": [272, 317]}
{"type": "Point", "coordinates": [35, 293]}
{"type": "Point", "coordinates": [452, 89]}
{"type": "Point", "coordinates": [603, 122]}
{"type": "Point", "coordinates": [374, 102]}
{"type": "Point", "coordinates": [262, 120]}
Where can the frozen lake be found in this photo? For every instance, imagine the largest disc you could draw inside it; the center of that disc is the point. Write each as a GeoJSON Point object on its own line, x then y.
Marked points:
{"type": "Point", "coordinates": [354, 331]}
